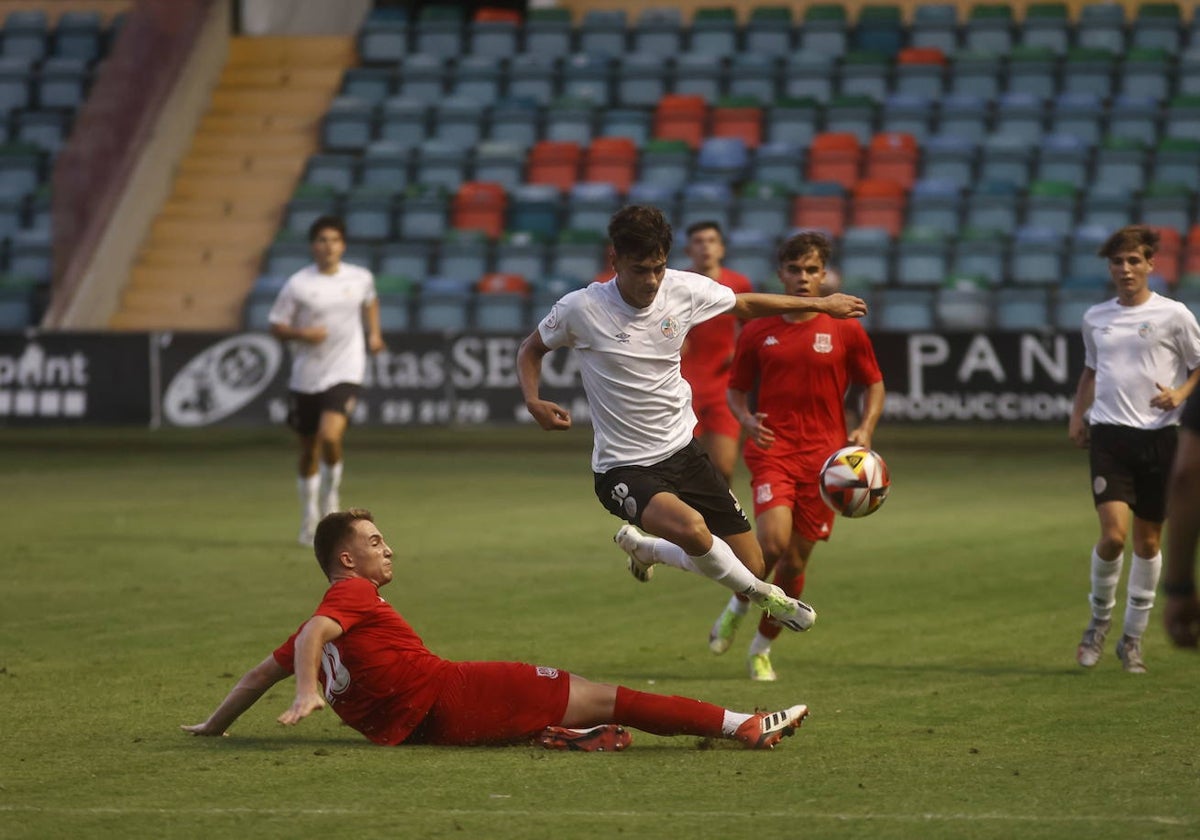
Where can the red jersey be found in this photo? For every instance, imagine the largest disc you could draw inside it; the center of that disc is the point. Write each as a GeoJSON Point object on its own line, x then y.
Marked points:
{"type": "Point", "coordinates": [378, 675]}
{"type": "Point", "coordinates": [802, 371]}
{"type": "Point", "coordinates": [705, 361]}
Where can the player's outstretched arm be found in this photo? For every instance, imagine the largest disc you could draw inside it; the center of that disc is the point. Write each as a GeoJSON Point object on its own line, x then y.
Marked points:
{"type": "Point", "coordinates": [550, 416]}
{"type": "Point", "coordinates": [317, 631]}
{"type": "Point", "coordinates": [761, 304]}
{"type": "Point", "coordinates": [253, 685]}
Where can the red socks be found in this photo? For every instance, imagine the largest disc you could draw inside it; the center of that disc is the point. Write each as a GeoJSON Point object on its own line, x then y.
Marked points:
{"type": "Point", "coordinates": [660, 714]}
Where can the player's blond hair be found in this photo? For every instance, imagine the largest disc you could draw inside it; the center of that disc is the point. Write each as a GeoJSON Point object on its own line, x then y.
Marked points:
{"type": "Point", "coordinates": [333, 530]}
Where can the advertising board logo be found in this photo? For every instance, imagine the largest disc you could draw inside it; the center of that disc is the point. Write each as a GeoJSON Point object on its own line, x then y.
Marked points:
{"type": "Point", "coordinates": [41, 384]}
{"type": "Point", "coordinates": [222, 379]}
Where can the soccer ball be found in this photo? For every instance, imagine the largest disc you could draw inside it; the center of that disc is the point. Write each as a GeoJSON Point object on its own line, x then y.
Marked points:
{"type": "Point", "coordinates": [854, 481]}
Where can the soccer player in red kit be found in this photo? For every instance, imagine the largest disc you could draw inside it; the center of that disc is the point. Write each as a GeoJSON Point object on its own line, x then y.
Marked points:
{"type": "Point", "coordinates": [709, 351]}
{"type": "Point", "coordinates": [802, 366]}
{"type": "Point", "coordinates": [359, 656]}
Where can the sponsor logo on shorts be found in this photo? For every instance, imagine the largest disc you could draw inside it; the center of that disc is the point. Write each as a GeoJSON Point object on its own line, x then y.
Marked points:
{"type": "Point", "coordinates": [1099, 484]}
{"type": "Point", "coordinates": [823, 343]}
{"type": "Point", "coordinates": [548, 673]}
{"type": "Point", "coordinates": [763, 494]}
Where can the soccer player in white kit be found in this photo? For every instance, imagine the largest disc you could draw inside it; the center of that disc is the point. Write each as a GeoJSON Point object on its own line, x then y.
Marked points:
{"type": "Point", "coordinates": [1141, 362]}
{"type": "Point", "coordinates": [320, 312]}
{"type": "Point", "coordinates": [648, 469]}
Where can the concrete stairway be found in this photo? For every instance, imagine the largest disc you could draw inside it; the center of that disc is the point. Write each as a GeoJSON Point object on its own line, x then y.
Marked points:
{"type": "Point", "coordinates": [205, 248]}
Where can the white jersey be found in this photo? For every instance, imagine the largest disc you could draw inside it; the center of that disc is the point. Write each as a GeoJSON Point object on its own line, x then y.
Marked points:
{"type": "Point", "coordinates": [335, 302]}
{"type": "Point", "coordinates": [641, 406]}
{"type": "Point", "coordinates": [1132, 348]}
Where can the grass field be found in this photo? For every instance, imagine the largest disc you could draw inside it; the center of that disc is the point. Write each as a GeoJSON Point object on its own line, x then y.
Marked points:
{"type": "Point", "coordinates": [144, 572]}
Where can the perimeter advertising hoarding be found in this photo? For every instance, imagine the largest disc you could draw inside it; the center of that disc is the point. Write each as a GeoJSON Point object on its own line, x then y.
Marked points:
{"type": "Point", "coordinates": [202, 379]}
{"type": "Point", "coordinates": [75, 379]}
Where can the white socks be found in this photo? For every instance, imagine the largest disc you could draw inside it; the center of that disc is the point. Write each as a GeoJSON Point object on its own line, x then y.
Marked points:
{"type": "Point", "coordinates": [719, 564]}
{"type": "Point", "coordinates": [731, 722]}
{"type": "Point", "coordinates": [1143, 580]}
{"type": "Point", "coordinates": [760, 644]}
{"type": "Point", "coordinates": [738, 606]}
{"type": "Point", "coordinates": [306, 489]}
{"type": "Point", "coordinates": [1105, 574]}
{"type": "Point", "coordinates": [331, 482]}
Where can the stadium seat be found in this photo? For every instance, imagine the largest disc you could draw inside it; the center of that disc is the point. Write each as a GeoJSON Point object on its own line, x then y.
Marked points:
{"type": "Point", "coordinates": [1121, 163]}
{"type": "Point", "coordinates": [407, 258]}
{"type": "Point", "coordinates": [663, 196]}
{"type": "Point", "coordinates": [865, 259]}
{"type": "Point", "coordinates": [768, 31]}
{"type": "Point", "coordinates": [763, 206]}
{"type": "Point", "coordinates": [1071, 302]}
{"type": "Point", "coordinates": [1101, 26]}
{"type": "Point", "coordinates": [553, 162]}
{"type": "Point", "coordinates": [444, 304]}
{"type": "Point", "coordinates": [1106, 208]}
{"type": "Point", "coordinates": [403, 120]}
{"type": "Point", "coordinates": [1020, 115]}
{"type": "Point", "coordinates": [569, 120]}
{"type": "Point", "coordinates": [935, 203]}
{"type": "Point", "coordinates": [383, 40]}
{"type": "Point", "coordinates": [1157, 26]}
{"type": "Point", "coordinates": [989, 28]}
{"type": "Point", "coordinates": [820, 205]}
{"type": "Point", "coordinates": [904, 310]}
{"type": "Point", "coordinates": [288, 253]}
{"type": "Point", "coordinates": [681, 117]}
{"type": "Point", "coordinates": [667, 163]}
{"type": "Point", "coordinates": [423, 76]}
{"type": "Point", "coordinates": [935, 25]}
{"type": "Point", "coordinates": [824, 29]}
{"type": "Point", "coordinates": [892, 157]}
{"type": "Point", "coordinates": [950, 157]}
{"type": "Point", "coordinates": [1063, 157]}
{"type": "Point", "coordinates": [723, 159]}
{"type": "Point", "coordinates": [368, 213]}
{"type": "Point", "coordinates": [30, 254]}
{"type": "Point", "coordinates": [699, 75]}
{"type": "Point", "coordinates": [1050, 206]}
{"type": "Point", "coordinates": [1188, 74]}
{"type": "Point", "coordinates": [395, 310]}
{"type": "Point", "coordinates": [439, 30]}
{"type": "Point", "coordinates": [992, 205]}
{"type": "Point", "coordinates": [1146, 72]}
{"type": "Point", "coordinates": [1174, 161]}
{"type": "Point", "coordinates": [348, 126]}
{"type": "Point", "coordinates": [332, 170]}
{"type": "Point", "coordinates": [423, 212]}
{"type": "Point", "coordinates": [1083, 262]}
{"type": "Point", "coordinates": [587, 76]}
{"type": "Point", "coordinates": [535, 208]}
{"type": "Point", "coordinates": [612, 160]}
{"type": "Point", "coordinates": [591, 204]}
{"type": "Point", "coordinates": [1167, 257]}
{"type": "Point", "coordinates": [1037, 257]}
{"type": "Point", "coordinates": [1089, 70]}
{"type": "Point", "coordinates": [641, 80]}
{"type": "Point", "coordinates": [754, 74]}
{"type": "Point", "coordinates": [603, 32]}
{"type": "Point", "coordinates": [752, 252]}
{"type": "Point", "coordinates": [632, 123]}
{"type": "Point", "coordinates": [78, 34]}
{"type": "Point", "coordinates": [835, 157]}
{"type": "Point", "coordinates": [865, 74]}
{"type": "Point", "coordinates": [1080, 114]}
{"type": "Point", "coordinates": [963, 303]}
{"type": "Point", "coordinates": [46, 129]}
{"type": "Point", "coordinates": [1046, 26]}
{"type": "Point", "coordinates": [308, 203]}
{"type": "Point", "coordinates": [920, 71]}
{"type": "Point", "coordinates": [515, 121]}
{"type": "Point", "coordinates": [878, 204]}
{"type": "Point", "coordinates": [441, 163]}
{"type": "Point", "coordinates": [1183, 117]}
{"type": "Point", "coordinates": [533, 77]}
{"type": "Point", "coordinates": [738, 118]}
{"type": "Point", "coordinates": [1167, 205]}
{"type": "Point", "coordinates": [480, 206]}
{"type": "Point", "coordinates": [520, 252]}
{"type": "Point", "coordinates": [922, 258]}
{"type": "Point", "coordinates": [981, 253]}
{"type": "Point", "coordinates": [964, 116]}
{"type": "Point", "coordinates": [372, 85]}
{"type": "Point", "coordinates": [25, 34]}
{"type": "Point", "coordinates": [809, 74]}
{"type": "Point", "coordinates": [500, 163]}
{"type": "Point", "coordinates": [907, 114]}
{"type": "Point", "coordinates": [15, 89]}
{"type": "Point", "coordinates": [1033, 71]}
{"type": "Point", "coordinates": [385, 163]}
{"type": "Point", "coordinates": [1007, 158]}
{"type": "Point", "coordinates": [1134, 118]}
{"type": "Point", "coordinates": [463, 253]}
{"type": "Point", "coordinates": [706, 201]}
{"type": "Point", "coordinates": [778, 163]}
{"type": "Point", "coordinates": [793, 121]}
{"type": "Point", "coordinates": [62, 83]}
{"type": "Point", "coordinates": [578, 253]}
{"type": "Point", "coordinates": [548, 32]}
{"type": "Point", "coordinates": [494, 33]}
{"type": "Point", "coordinates": [658, 29]}
{"type": "Point", "coordinates": [851, 115]}
{"type": "Point", "coordinates": [1021, 309]}
{"type": "Point", "coordinates": [880, 29]}
{"type": "Point", "coordinates": [974, 73]}
{"type": "Point", "coordinates": [479, 77]}
{"type": "Point", "coordinates": [501, 303]}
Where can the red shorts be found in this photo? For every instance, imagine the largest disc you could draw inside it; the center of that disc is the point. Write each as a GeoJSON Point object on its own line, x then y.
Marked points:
{"type": "Point", "coordinates": [775, 485]}
{"type": "Point", "coordinates": [714, 416]}
{"type": "Point", "coordinates": [494, 703]}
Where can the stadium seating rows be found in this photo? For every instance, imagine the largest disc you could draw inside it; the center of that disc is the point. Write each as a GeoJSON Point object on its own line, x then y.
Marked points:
{"type": "Point", "coordinates": [964, 166]}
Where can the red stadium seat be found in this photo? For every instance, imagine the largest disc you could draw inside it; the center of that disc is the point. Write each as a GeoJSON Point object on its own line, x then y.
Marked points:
{"type": "Point", "coordinates": [480, 205]}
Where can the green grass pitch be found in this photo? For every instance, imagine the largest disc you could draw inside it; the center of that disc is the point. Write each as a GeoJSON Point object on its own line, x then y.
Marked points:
{"type": "Point", "coordinates": [144, 572]}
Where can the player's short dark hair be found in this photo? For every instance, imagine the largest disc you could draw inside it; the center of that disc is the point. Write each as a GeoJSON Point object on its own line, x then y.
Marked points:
{"type": "Point", "coordinates": [640, 231]}
{"type": "Point", "coordinates": [333, 530]}
{"type": "Point", "coordinates": [795, 247]}
{"type": "Point", "coordinates": [326, 223]}
{"type": "Point", "coordinates": [1131, 238]}
{"type": "Point", "coordinates": [705, 224]}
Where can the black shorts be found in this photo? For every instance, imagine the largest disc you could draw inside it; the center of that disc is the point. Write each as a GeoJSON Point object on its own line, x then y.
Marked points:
{"type": "Point", "coordinates": [304, 410]}
{"type": "Point", "coordinates": [688, 474]}
{"type": "Point", "coordinates": [1132, 466]}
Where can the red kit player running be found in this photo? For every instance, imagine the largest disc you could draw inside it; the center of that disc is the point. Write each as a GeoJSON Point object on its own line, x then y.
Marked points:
{"type": "Point", "coordinates": [802, 366]}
